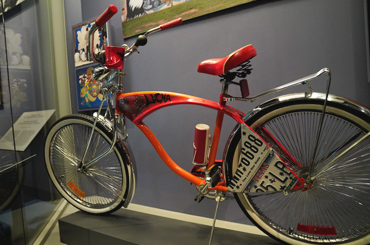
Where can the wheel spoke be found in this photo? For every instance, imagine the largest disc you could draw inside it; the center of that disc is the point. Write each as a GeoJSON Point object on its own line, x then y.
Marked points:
{"type": "Point", "coordinates": [353, 146]}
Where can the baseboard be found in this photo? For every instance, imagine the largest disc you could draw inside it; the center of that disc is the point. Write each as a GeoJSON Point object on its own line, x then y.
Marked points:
{"type": "Point", "coordinates": [250, 229]}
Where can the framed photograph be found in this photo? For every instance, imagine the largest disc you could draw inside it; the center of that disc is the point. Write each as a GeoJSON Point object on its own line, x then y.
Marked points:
{"type": "Point", "coordinates": [18, 49]}
{"type": "Point", "coordinates": [21, 88]}
{"type": "Point", "coordinates": [88, 89]}
{"type": "Point", "coordinates": [139, 16]}
{"type": "Point", "coordinates": [82, 55]}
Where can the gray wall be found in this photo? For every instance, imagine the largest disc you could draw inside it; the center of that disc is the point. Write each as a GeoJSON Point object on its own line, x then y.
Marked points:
{"type": "Point", "coordinates": [293, 39]}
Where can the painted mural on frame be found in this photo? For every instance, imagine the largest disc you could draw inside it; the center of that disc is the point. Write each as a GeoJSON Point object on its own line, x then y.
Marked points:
{"type": "Point", "coordinates": [139, 16]}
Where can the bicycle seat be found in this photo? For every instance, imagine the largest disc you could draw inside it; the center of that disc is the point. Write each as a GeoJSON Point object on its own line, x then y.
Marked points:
{"type": "Point", "coordinates": [220, 66]}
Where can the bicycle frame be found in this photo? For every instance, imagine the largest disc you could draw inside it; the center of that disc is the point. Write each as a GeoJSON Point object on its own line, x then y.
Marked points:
{"type": "Point", "coordinates": [137, 106]}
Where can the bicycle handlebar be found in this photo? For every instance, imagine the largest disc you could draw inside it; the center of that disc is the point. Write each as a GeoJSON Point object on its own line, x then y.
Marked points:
{"type": "Point", "coordinates": [114, 55]}
{"type": "Point", "coordinates": [164, 26]}
{"type": "Point", "coordinates": [142, 39]}
{"type": "Point", "coordinates": [171, 24]}
{"type": "Point", "coordinates": [106, 15]}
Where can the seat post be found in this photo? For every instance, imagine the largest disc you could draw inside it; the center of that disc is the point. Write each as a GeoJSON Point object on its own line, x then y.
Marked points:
{"type": "Point", "coordinates": [225, 86]}
{"type": "Point", "coordinates": [218, 125]}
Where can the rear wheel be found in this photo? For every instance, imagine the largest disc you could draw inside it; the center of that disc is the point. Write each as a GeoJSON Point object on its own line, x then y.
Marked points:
{"type": "Point", "coordinates": [102, 186]}
{"type": "Point", "coordinates": [337, 206]}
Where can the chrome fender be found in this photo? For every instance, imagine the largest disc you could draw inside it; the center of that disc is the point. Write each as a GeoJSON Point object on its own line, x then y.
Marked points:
{"type": "Point", "coordinates": [130, 163]}
{"type": "Point", "coordinates": [357, 107]}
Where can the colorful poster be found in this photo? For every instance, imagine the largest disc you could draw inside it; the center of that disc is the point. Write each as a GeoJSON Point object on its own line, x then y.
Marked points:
{"type": "Point", "coordinates": [82, 54]}
{"type": "Point", "coordinates": [88, 89]}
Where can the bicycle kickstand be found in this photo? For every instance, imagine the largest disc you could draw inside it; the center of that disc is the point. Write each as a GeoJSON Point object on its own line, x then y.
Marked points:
{"type": "Point", "coordinates": [218, 198]}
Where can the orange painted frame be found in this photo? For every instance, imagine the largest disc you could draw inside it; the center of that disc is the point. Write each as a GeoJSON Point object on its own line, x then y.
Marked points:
{"type": "Point", "coordinates": [138, 105]}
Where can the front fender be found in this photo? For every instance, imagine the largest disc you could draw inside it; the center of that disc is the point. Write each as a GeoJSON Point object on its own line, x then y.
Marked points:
{"type": "Point", "coordinates": [131, 165]}
{"type": "Point", "coordinates": [129, 160]}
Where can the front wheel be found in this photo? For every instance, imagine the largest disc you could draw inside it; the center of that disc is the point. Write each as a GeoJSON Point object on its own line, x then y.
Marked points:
{"type": "Point", "coordinates": [99, 188]}
{"type": "Point", "coordinates": [336, 208]}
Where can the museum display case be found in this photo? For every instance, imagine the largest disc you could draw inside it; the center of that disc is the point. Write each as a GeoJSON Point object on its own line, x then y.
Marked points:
{"type": "Point", "coordinates": [27, 199]}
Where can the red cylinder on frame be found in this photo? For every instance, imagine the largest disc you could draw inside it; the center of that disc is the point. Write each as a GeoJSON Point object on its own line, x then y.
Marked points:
{"type": "Point", "coordinates": [201, 144]}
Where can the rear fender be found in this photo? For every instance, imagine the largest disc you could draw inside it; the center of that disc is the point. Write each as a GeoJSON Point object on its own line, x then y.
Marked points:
{"type": "Point", "coordinates": [359, 110]}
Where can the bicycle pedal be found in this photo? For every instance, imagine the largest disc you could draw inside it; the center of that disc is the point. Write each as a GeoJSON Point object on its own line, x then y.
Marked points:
{"type": "Point", "coordinates": [198, 198]}
{"type": "Point", "coordinates": [213, 175]}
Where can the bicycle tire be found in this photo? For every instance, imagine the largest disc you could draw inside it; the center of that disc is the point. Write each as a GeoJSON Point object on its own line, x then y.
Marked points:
{"type": "Point", "coordinates": [336, 207]}
{"type": "Point", "coordinates": [103, 186]}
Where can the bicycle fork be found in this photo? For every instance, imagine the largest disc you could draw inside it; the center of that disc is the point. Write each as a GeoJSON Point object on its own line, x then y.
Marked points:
{"type": "Point", "coordinates": [83, 165]}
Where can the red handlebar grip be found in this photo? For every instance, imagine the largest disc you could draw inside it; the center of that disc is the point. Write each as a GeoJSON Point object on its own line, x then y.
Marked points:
{"type": "Point", "coordinates": [106, 15]}
{"type": "Point", "coordinates": [171, 24]}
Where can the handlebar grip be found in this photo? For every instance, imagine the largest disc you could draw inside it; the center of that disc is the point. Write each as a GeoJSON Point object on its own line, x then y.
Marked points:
{"type": "Point", "coordinates": [171, 24]}
{"type": "Point", "coordinates": [106, 15]}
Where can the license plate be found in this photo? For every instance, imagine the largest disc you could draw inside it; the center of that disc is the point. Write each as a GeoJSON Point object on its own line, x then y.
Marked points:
{"type": "Point", "coordinates": [272, 176]}
{"type": "Point", "coordinates": [253, 153]}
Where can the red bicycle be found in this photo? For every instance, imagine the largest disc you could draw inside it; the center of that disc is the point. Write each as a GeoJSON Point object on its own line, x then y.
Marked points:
{"type": "Point", "coordinates": [298, 164]}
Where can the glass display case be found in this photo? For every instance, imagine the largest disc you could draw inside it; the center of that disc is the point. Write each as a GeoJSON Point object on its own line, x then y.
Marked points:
{"type": "Point", "coordinates": [27, 198]}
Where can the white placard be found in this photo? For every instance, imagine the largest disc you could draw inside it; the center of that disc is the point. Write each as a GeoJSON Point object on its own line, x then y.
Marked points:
{"type": "Point", "coordinates": [25, 130]}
